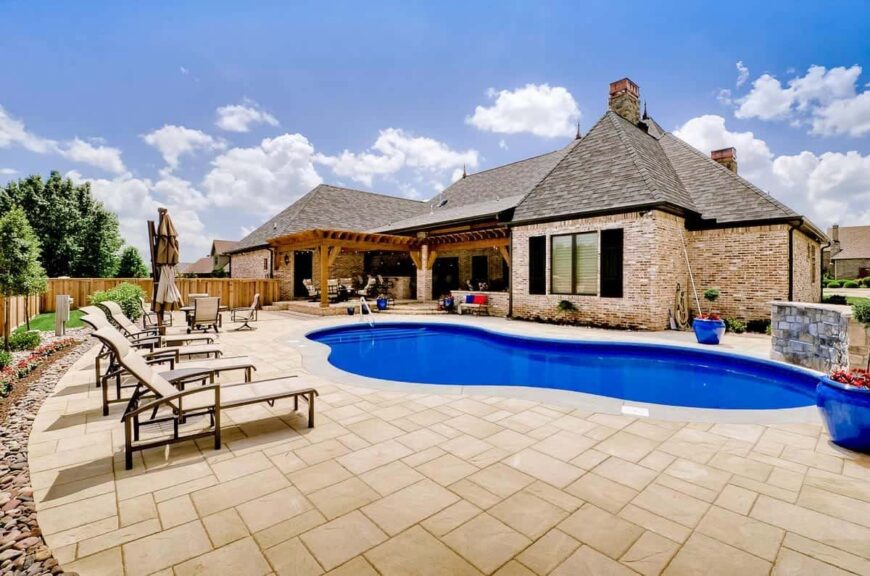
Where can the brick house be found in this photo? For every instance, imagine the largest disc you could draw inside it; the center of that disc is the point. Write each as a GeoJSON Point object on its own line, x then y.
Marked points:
{"type": "Point", "coordinates": [848, 256]}
{"type": "Point", "coordinates": [618, 222]}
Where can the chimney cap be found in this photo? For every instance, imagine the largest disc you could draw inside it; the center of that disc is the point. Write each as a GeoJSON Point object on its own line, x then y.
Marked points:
{"type": "Point", "coordinates": [625, 84]}
{"type": "Point", "coordinates": [724, 154]}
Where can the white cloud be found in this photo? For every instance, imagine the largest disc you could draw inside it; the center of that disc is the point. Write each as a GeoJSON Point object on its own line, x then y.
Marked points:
{"type": "Point", "coordinates": [14, 133]}
{"type": "Point", "coordinates": [541, 110]}
{"type": "Point", "coordinates": [240, 117]}
{"type": "Point", "coordinates": [823, 98]}
{"type": "Point", "coordinates": [8, 171]}
{"type": "Point", "coordinates": [184, 71]}
{"type": "Point", "coordinates": [264, 178]}
{"type": "Point", "coordinates": [395, 150]}
{"type": "Point", "coordinates": [175, 141]}
{"type": "Point", "coordinates": [502, 144]}
{"type": "Point", "coordinates": [827, 188]}
{"type": "Point", "coordinates": [104, 157]}
{"type": "Point", "coordinates": [742, 73]}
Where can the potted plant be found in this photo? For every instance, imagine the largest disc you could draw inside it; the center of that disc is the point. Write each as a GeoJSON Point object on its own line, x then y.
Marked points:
{"type": "Point", "coordinates": [843, 399]}
{"type": "Point", "coordinates": [709, 327]}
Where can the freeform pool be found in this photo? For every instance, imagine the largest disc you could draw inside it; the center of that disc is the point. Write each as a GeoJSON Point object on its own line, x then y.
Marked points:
{"type": "Point", "coordinates": [657, 374]}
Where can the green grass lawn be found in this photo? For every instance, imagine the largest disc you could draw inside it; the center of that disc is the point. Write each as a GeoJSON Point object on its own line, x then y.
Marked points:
{"type": "Point", "coordinates": [852, 300]}
{"type": "Point", "coordinates": [45, 322]}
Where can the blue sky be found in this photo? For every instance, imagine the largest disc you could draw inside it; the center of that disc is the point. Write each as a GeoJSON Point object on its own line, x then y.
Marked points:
{"type": "Point", "coordinates": [227, 111]}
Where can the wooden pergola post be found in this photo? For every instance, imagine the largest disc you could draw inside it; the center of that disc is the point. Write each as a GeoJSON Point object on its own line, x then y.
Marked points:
{"type": "Point", "coordinates": [324, 276]}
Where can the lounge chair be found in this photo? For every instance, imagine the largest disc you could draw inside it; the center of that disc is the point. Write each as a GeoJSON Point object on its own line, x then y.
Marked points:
{"type": "Point", "coordinates": [115, 314]}
{"type": "Point", "coordinates": [206, 314]}
{"type": "Point", "coordinates": [176, 406]}
{"type": "Point", "coordinates": [313, 293]}
{"type": "Point", "coordinates": [475, 304]}
{"type": "Point", "coordinates": [246, 314]}
{"type": "Point", "coordinates": [149, 317]}
{"type": "Point", "coordinates": [177, 374]}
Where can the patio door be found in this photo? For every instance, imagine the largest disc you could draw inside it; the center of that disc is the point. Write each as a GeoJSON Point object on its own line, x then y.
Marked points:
{"type": "Point", "coordinates": [302, 269]}
{"type": "Point", "coordinates": [445, 276]}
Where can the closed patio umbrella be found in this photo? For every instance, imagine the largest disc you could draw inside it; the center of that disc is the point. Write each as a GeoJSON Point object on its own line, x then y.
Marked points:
{"type": "Point", "coordinates": [165, 259]}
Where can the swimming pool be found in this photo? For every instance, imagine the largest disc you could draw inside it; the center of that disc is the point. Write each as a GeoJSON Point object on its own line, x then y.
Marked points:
{"type": "Point", "coordinates": [449, 354]}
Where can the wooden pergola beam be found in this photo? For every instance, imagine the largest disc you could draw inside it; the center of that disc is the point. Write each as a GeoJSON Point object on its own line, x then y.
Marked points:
{"type": "Point", "coordinates": [417, 258]}
{"type": "Point", "coordinates": [505, 253]}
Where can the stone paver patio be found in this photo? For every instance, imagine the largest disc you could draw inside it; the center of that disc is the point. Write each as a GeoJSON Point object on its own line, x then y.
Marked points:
{"type": "Point", "coordinates": [400, 482]}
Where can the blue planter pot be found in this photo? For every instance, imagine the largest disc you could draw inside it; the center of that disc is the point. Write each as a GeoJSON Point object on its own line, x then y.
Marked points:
{"type": "Point", "coordinates": [846, 412]}
{"type": "Point", "coordinates": [708, 331]}
{"type": "Point", "coordinates": [382, 303]}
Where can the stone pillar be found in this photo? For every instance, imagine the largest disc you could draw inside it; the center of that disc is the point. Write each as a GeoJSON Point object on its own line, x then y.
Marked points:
{"type": "Point", "coordinates": [424, 275]}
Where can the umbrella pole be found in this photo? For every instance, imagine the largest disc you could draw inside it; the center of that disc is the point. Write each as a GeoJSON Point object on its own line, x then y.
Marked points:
{"type": "Point", "coordinates": [155, 278]}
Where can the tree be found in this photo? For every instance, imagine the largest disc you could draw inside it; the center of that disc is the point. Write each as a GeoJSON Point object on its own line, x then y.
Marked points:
{"type": "Point", "coordinates": [20, 271]}
{"type": "Point", "coordinates": [131, 264]}
{"type": "Point", "coordinates": [98, 243]}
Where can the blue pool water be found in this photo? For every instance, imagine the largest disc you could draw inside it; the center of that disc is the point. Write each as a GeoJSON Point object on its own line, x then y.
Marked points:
{"type": "Point", "coordinates": [658, 374]}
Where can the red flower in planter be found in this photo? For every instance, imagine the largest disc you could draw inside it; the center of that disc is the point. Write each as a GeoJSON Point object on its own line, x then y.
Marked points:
{"type": "Point", "coordinates": [708, 316]}
{"type": "Point", "coordinates": [857, 377]}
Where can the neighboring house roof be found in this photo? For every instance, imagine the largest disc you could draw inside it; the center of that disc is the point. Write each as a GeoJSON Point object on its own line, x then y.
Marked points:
{"type": "Point", "coordinates": [484, 193]}
{"type": "Point", "coordinates": [333, 207]}
{"type": "Point", "coordinates": [619, 165]}
{"type": "Point", "coordinates": [182, 267]}
{"type": "Point", "coordinates": [204, 265]}
{"type": "Point", "coordinates": [219, 247]}
{"type": "Point", "coordinates": [854, 242]}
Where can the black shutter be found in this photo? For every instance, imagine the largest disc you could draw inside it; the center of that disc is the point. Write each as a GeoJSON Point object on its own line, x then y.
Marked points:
{"type": "Point", "coordinates": [611, 263]}
{"type": "Point", "coordinates": [538, 265]}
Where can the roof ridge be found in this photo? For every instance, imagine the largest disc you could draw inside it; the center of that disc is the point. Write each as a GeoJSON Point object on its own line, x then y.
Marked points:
{"type": "Point", "coordinates": [574, 143]}
{"type": "Point", "coordinates": [521, 160]}
{"type": "Point", "coordinates": [635, 159]}
{"type": "Point", "coordinates": [379, 194]}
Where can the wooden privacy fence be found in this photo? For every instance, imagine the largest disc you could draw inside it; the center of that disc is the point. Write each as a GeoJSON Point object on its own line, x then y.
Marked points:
{"type": "Point", "coordinates": [233, 292]}
{"type": "Point", "coordinates": [17, 314]}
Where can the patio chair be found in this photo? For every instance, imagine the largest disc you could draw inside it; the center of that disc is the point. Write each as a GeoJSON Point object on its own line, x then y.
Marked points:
{"type": "Point", "coordinates": [177, 373]}
{"type": "Point", "coordinates": [313, 293]}
{"type": "Point", "coordinates": [246, 314]}
{"type": "Point", "coordinates": [116, 315]}
{"type": "Point", "coordinates": [149, 317]}
{"type": "Point", "coordinates": [171, 405]}
{"type": "Point", "coordinates": [206, 314]}
{"type": "Point", "coordinates": [370, 287]}
{"type": "Point", "coordinates": [475, 304]}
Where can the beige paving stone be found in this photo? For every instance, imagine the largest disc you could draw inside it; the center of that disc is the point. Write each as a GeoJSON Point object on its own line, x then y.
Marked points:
{"type": "Point", "coordinates": [355, 567]}
{"type": "Point", "coordinates": [514, 568]}
{"type": "Point", "coordinates": [287, 529]}
{"type": "Point", "coordinates": [544, 467]}
{"type": "Point", "coordinates": [627, 446]}
{"type": "Point", "coordinates": [116, 538]}
{"type": "Point", "coordinates": [189, 487]}
{"type": "Point", "coordinates": [743, 466]}
{"type": "Point", "coordinates": [650, 430]}
{"type": "Point", "coordinates": [408, 506]}
{"type": "Point", "coordinates": [693, 444]}
{"type": "Point", "coordinates": [602, 492]}
{"type": "Point", "coordinates": [83, 532]}
{"type": "Point", "coordinates": [106, 563]}
{"type": "Point", "coordinates": [672, 505]}
{"type": "Point", "coordinates": [555, 496]}
{"type": "Point", "coordinates": [657, 460]}
{"type": "Point", "coordinates": [827, 554]}
{"type": "Point", "coordinates": [153, 481]}
{"type": "Point", "coordinates": [564, 445]}
{"type": "Point", "coordinates": [787, 479]}
{"type": "Point", "coordinates": [746, 432]}
{"type": "Point", "coordinates": [228, 494]}
{"type": "Point", "coordinates": [322, 451]}
{"type": "Point", "coordinates": [318, 476]}
{"type": "Point", "coordinates": [510, 440]}
{"type": "Point", "coordinates": [736, 499]}
{"type": "Point", "coordinates": [61, 518]}
{"type": "Point", "coordinates": [528, 514]}
{"type": "Point", "coordinates": [391, 477]}
{"type": "Point", "coordinates": [176, 512]}
{"type": "Point", "coordinates": [473, 426]}
{"type": "Point", "coordinates": [851, 509]}
{"type": "Point", "coordinates": [421, 439]}
{"type": "Point", "coordinates": [501, 480]}
{"type": "Point", "coordinates": [787, 438]}
{"type": "Point", "coordinates": [811, 524]}
{"type": "Point", "coordinates": [225, 527]}
{"type": "Point", "coordinates": [272, 508]}
{"type": "Point", "coordinates": [741, 532]}
{"type": "Point", "coordinates": [339, 499]}
{"type": "Point", "coordinates": [451, 517]}
{"type": "Point", "coordinates": [589, 459]}
{"type": "Point", "coordinates": [287, 461]}
{"type": "Point", "coordinates": [240, 557]}
{"type": "Point", "coordinates": [336, 542]}
{"type": "Point", "coordinates": [700, 474]}
{"type": "Point", "coordinates": [764, 488]}
{"type": "Point", "coordinates": [688, 488]}
{"type": "Point", "coordinates": [791, 563]}
{"type": "Point", "coordinates": [239, 466]}
{"type": "Point", "coordinates": [486, 542]}
{"type": "Point", "coordinates": [650, 554]}
{"type": "Point", "coordinates": [465, 446]}
{"type": "Point", "coordinates": [374, 456]}
{"type": "Point", "coordinates": [617, 421]}
{"type": "Point", "coordinates": [447, 469]}
{"type": "Point", "coordinates": [475, 493]}
{"type": "Point", "coordinates": [291, 558]}
{"type": "Point", "coordinates": [415, 551]}
{"type": "Point", "coordinates": [602, 530]}
{"type": "Point", "coordinates": [353, 441]}
{"type": "Point", "coordinates": [165, 549]}
{"type": "Point", "coordinates": [137, 510]}
{"type": "Point", "coordinates": [703, 555]}
{"type": "Point", "coordinates": [624, 472]}
{"type": "Point", "coordinates": [424, 456]}
{"type": "Point", "coordinates": [548, 551]}
{"type": "Point", "coordinates": [589, 562]}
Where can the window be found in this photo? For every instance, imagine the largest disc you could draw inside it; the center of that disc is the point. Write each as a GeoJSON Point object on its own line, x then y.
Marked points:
{"type": "Point", "coordinates": [538, 265]}
{"type": "Point", "coordinates": [265, 263]}
{"type": "Point", "coordinates": [574, 264]}
{"type": "Point", "coordinates": [611, 263]}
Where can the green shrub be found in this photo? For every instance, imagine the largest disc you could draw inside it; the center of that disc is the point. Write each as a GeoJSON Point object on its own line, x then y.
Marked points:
{"type": "Point", "coordinates": [24, 340]}
{"type": "Point", "coordinates": [566, 306]}
{"type": "Point", "coordinates": [5, 359]}
{"type": "Point", "coordinates": [834, 284]}
{"type": "Point", "coordinates": [861, 312]}
{"type": "Point", "coordinates": [126, 295]}
{"type": "Point", "coordinates": [711, 294]}
{"type": "Point", "coordinates": [851, 284]}
{"type": "Point", "coordinates": [734, 325]}
{"type": "Point", "coordinates": [835, 299]}
{"type": "Point", "coordinates": [865, 282]}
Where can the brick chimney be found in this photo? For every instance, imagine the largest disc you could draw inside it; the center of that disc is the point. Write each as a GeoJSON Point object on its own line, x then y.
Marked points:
{"type": "Point", "coordinates": [625, 99]}
{"type": "Point", "coordinates": [835, 239]}
{"type": "Point", "coordinates": [727, 157]}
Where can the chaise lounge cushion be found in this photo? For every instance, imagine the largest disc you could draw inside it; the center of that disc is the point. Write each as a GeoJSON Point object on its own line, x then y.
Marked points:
{"type": "Point", "coordinates": [479, 299]}
{"type": "Point", "coordinates": [469, 298]}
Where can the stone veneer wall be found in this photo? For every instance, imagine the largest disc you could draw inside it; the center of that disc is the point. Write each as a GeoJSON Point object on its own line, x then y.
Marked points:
{"type": "Point", "coordinates": [806, 259]}
{"type": "Point", "coordinates": [250, 264]}
{"type": "Point", "coordinates": [811, 335]}
{"type": "Point", "coordinates": [499, 302]}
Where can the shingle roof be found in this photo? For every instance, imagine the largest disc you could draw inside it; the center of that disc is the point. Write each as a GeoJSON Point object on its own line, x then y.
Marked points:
{"type": "Point", "coordinates": [854, 242]}
{"type": "Point", "coordinates": [223, 246]}
{"type": "Point", "coordinates": [445, 215]}
{"type": "Point", "coordinates": [619, 165]}
{"type": "Point", "coordinates": [204, 265]}
{"type": "Point", "coordinates": [333, 207]}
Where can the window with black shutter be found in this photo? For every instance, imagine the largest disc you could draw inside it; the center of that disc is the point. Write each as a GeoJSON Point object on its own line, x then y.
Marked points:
{"type": "Point", "coordinates": [538, 265]}
{"type": "Point", "coordinates": [611, 263]}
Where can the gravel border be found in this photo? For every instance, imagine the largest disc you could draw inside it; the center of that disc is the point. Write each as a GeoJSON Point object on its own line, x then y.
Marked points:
{"type": "Point", "coordinates": [22, 549]}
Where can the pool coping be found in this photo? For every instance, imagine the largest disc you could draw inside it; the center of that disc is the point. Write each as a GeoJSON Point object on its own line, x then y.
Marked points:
{"type": "Point", "coordinates": [315, 359]}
